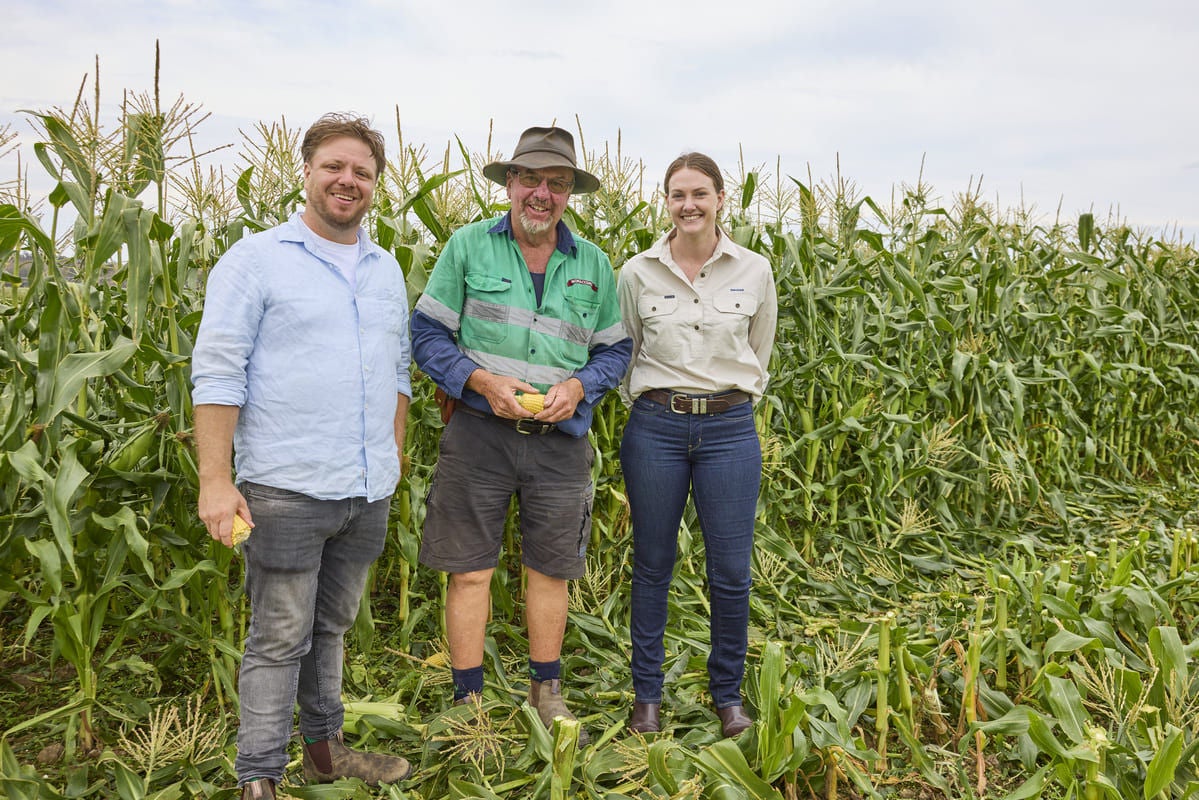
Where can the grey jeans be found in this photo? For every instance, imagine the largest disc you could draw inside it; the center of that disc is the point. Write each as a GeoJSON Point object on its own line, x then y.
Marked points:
{"type": "Point", "coordinates": [306, 566]}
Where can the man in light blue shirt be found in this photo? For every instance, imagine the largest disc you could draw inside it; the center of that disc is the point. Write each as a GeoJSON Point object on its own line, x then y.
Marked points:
{"type": "Point", "coordinates": [301, 369]}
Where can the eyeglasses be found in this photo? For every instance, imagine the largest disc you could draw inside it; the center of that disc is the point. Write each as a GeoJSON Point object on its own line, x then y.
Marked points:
{"type": "Point", "coordinates": [531, 180]}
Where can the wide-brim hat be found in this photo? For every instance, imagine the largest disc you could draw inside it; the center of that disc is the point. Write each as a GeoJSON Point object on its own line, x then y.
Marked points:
{"type": "Point", "coordinates": [540, 148]}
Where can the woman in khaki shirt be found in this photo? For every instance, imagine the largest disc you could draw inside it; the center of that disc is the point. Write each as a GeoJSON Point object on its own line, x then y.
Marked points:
{"type": "Point", "coordinates": [702, 312]}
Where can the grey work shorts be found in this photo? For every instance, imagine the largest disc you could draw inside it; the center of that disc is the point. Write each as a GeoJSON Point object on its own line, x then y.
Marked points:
{"type": "Point", "coordinates": [482, 463]}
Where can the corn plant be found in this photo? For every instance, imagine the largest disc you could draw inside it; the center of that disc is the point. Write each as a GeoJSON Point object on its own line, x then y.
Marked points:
{"type": "Point", "coordinates": [976, 561]}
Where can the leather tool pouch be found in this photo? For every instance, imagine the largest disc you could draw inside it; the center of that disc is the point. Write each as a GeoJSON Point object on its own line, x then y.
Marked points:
{"type": "Point", "coordinates": [445, 404]}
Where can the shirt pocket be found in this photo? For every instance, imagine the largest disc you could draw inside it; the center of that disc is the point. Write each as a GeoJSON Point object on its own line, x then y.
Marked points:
{"type": "Point", "coordinates": [740, 303]}
{"type": "Point", "coordinates": [661, 329]}
{"type": "Point", "coordinates": [383, 311]}
{"type": "Point", "coordinates": [729, 331]}
{"type": "Point", "coordinates": [383, 334]}
{"type": "Point", "coordinates": [582, 300]}
{"type": "Point", "coordinates": [487, 309]}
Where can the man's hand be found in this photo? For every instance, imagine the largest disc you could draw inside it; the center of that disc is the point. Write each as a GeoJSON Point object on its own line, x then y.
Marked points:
{"type": "Point", "coordinates": [219, 498]}
{"type": "Point", "coordinates": [219, 501]}
{"type": "Point", "coordinates": [561, 401]}
{"type": "Point", "coordinates": [500, 392]}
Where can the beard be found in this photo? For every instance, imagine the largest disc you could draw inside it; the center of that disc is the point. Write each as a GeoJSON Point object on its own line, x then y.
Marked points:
{"type": "Point", "coordinates": [335, 219]}
{"type": "Point", "coordinates": [533, 227]}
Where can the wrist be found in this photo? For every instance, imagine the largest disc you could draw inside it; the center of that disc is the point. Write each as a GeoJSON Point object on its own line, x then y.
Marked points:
{"type": "Point", "coordinates": [212, 478]}
{"type": "Point", "coordinates": [473, 380]}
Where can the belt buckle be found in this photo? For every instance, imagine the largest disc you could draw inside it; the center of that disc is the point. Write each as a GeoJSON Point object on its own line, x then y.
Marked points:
{"type": "Point", "coordinates": [539, 429]}
{"type": "Point", "coordinates": [682, 404]}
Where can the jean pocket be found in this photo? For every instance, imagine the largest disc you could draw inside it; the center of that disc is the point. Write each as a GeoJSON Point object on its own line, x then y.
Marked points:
{"type": "Point", "coordinates": [643, 405]}
{"type": "Point", "coordinates": [264, 492]}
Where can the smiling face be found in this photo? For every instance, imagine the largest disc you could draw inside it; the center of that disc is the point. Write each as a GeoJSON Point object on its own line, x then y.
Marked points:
{"type": "Point", "coordinates": [693, 201]}
{"type": "Point", "coordinates": [537, 209]}
{"type": "Point", "coordinates": [339, 182]}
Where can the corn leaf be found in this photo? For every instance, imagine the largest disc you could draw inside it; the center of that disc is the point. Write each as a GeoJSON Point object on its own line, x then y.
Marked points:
{"type": "Point", "coordinates": [724, 761]}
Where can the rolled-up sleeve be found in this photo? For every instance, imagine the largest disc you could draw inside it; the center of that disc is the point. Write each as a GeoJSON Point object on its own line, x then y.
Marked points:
{"type": "Point", "coordinates": [404, 358]}
{"type": "Point", "coordinates": [233, 309]}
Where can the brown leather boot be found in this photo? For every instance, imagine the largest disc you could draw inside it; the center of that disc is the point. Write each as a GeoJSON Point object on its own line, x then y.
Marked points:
{"type": "Point", "coordinates": [733, 720]}
{"type": "Point", "coordinates": [325, 762]}
{"type": "Point", "coordinates": [261, 789]}
{"type": "Point", "coordinates": [645, 718]}
{"type": "Point", "coordinates": [546, 697]}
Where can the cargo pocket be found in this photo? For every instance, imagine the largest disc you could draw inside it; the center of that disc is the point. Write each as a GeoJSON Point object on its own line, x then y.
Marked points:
{"type": "Point", "coordinates": [585, 521]}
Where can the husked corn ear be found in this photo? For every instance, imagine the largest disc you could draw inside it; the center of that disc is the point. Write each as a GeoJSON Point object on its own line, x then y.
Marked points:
{"type": "Point", "coordinates": [241, 530]}
{"type": "Point", "coordinates": [531, 402]}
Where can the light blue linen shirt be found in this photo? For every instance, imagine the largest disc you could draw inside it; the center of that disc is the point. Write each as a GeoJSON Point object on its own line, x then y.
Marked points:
{"type": "Point", "coordinates": [314, 365]}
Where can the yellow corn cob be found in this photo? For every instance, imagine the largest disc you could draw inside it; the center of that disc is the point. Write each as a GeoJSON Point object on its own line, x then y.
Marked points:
{"type": "Point", "coordinates": [241, 530]}
{"type": "Point", "coordinates": [531, 402]}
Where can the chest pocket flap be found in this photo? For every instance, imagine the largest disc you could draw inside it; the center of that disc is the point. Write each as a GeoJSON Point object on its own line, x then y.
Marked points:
{"type": "Point", "coordinates": [656, 306]}
{"type": "Point", "coordinates": [736, 302]}
{"type": "Point", "coordinates": [482, 282]}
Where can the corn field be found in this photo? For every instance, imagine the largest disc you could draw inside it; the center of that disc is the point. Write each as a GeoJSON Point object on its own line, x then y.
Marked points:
{"type": "Point", "coordinates": [977, 561]}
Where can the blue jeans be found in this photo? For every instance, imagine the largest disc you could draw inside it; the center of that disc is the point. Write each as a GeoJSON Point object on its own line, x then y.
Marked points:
{"type": "Point", "coordinates": [717, 459]}
{"type": "Point", "coordinates": [306, 567]}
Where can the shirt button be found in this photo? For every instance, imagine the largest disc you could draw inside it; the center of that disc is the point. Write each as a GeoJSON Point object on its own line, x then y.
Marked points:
{"type": "Point", "coordinates": [696, 300]}
{"type": "Point", "coordinates": [697, 327]}
{"type": "Point", "coordinates": [532, 349]}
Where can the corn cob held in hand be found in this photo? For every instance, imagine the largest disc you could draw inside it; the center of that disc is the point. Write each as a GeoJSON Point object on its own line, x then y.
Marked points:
{"type": "Point", "coordinates": [531, 402]}
{"type": "Point", "coordinates": [241, 530]}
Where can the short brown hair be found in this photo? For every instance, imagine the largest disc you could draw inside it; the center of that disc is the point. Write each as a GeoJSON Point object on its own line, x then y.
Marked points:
{"type": "Point", "coordinates": [696, 161]}
{"type": "Point", "coordinates": [334, 124]}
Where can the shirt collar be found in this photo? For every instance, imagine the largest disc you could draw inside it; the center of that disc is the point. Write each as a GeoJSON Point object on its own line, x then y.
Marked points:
{"type": "Point", "coordinates": [566, 240]}
{"type": "Point", "coordinates": [661, 248]}
{"type": "Point", "coordinates": [295, 230]}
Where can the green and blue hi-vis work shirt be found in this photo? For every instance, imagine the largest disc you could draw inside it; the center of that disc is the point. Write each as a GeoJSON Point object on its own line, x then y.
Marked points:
{"type": "Point", "coordinates": [480, 310]}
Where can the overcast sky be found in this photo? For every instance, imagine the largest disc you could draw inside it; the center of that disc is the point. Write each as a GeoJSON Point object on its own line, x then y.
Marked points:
{"type": "Point", "coordinates": [1086, 106]}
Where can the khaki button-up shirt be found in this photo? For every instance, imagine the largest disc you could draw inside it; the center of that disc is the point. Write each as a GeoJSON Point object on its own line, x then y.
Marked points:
{"type": "Point", "coordinates": [713, 335]}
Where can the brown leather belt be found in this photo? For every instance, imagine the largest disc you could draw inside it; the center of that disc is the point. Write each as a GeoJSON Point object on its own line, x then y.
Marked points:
{"type": "Point", "coordinates": [681, 403]}
{"type": "Point", "coordinates": [524, 425]}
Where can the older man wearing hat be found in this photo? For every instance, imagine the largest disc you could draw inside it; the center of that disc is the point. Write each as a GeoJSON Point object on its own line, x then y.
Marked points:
{"type": "Point", "coordinates": [518, 306]}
